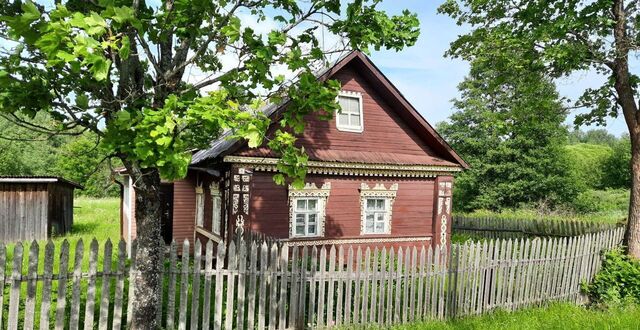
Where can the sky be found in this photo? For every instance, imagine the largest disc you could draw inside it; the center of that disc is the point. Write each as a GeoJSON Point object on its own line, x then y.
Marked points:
{"type": "Point", "coordinates": [423, 74]}
{"type": "Point", "coordinates": [429, 80]}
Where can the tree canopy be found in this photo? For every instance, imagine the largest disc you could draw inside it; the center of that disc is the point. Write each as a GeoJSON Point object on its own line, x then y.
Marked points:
{"type": "Point", "coordinates": [509, 127]}
{"type": "Point", "coordinates": [124, 70]}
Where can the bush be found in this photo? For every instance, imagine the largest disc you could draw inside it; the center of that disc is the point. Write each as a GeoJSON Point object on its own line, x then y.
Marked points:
{"type": "Point", "coordinates": [586, 163]}
{"type": "Point", "coordinates": [617, 282]}
{"type": "Point", "coordinates": [593, 201]}
{"type": "Point", "coordinates": [617, 167]}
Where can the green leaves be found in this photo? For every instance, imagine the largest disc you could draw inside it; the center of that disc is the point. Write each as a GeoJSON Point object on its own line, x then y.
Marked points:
{"type": "Point", "coordinates": [232, 29]}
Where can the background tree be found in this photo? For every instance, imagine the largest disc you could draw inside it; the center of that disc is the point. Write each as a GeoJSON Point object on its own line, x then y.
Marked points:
{"type": "Point", "coordinates": [509, 127]}
{"type": "Point", "coordinates": [565, 37]}
{"type": "Point", "coordinates": [120, 69]}
{"type": "Point", "coordinates": [617, 172]}
{"type": "Point", "coordinates": [593, 136]}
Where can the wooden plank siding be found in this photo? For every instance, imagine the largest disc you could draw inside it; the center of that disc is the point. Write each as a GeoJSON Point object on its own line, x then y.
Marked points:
{"type": "Point", "coordinates": [184, 209]}
{"type": "Point", "coordinates": [384, 130]}
{"type": "Point", "coordinates": [31, 211]}
{"type": "Point", "coordinates": [411, 215]}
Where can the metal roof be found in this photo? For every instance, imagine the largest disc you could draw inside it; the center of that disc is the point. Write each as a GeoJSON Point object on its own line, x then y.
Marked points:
{"type": "Point", "coordinates": [38, 179]}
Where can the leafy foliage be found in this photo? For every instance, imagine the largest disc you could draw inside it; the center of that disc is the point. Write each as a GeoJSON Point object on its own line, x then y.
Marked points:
{"type": "Point", "coordinates": [587, 164]}
{"type": "Point", "coordinates": [593, 136]}
{"type": "Point", "coordinates": [617, 168]}
{"type": "Point", "coordinates": [618, 281]}
{"type": "Point", "coordinates": [90, 63]}
{"type": "Point", "coordinates": [509, 128]}
{"type": "Point", "coordinates": [601, 201]}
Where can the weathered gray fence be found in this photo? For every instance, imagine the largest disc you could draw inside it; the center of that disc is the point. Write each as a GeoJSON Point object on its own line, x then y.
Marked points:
{"type": "Point", "coordinates": [497, 227]}
{"type": "Point", "coordinates": [277, 287]}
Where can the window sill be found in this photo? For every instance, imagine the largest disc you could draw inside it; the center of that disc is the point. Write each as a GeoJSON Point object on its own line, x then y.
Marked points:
{"type": "Point", "coordinates": [350, 130]}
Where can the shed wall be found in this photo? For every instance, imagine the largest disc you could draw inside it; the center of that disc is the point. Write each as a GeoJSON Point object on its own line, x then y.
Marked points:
{"type": "Point", "coordinates": [23, 211]}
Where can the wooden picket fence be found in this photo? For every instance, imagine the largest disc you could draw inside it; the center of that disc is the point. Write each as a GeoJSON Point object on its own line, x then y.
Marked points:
{"type": "Point", "coordinates": [251, 286]}
{"type": "Point", "coordinates": [499, 227]}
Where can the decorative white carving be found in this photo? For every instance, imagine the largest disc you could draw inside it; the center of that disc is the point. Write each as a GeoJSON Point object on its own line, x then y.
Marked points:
{"type": "Point", "coordinates": [240, 225]}
{"type": "Point", "coordinates": [362, 240]}
{"type": "Point", "coordinates": [378, 191]}
{"type": "Point", "coordinates": [236, 203]}
{"type": "Point", "coordinates": [245, 203]}
{"type": "Point", "coordinates": [309, 190]}
{"type": "Point", "coordinates": [214, 188]}
{"type": "Point", "coordinates": [443, 228]}
{"type": "Point", "coordinates": [350, 169]}
{"type": "Point", "coordinates": [246, 178]}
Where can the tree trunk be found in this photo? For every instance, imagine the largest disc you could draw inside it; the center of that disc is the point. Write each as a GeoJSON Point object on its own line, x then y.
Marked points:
{"type": "Point", "coordinates": [632, 234]}
{"type": "Point", "coordinates": [149, 252]}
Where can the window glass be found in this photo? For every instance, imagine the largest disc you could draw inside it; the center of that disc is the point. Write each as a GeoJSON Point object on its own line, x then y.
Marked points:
{"type": "Point", "coordinates": [306, 216]}
{"type": "Point", "coordinates": [376, 216]}
{"type": "Point", "coordinates": [349, 117]}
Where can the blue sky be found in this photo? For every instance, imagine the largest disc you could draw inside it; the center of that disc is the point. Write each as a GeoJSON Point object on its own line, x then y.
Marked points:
{"type": "Point", "coordinates": [429, 80]}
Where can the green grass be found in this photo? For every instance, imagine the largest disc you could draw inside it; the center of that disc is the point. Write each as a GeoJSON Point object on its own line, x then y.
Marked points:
{"type": "Point", "coordinates": [93, 218]}
{"type": "Point", "coordinates": [556, 316]}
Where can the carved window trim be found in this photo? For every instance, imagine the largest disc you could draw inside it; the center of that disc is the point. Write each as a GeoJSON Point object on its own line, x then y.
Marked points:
{"type": "Point", "coordinates": [379, 191]}
{"type": "Point", "coordinates": [199, 206]}
{"type": "Point", "coordinates": [310, 190]}
{"type": "Point", "coordinates": [216, 208]}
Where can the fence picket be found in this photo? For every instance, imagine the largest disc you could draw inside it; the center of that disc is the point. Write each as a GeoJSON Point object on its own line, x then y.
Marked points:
{"type": "Point", "coordinates": [381, 287]}
{"type": "Point", "coordinates": [321, 287]}
{"type": "Point", "coordinates": [184, 286]}
{"type": "Point", "coordinates": [77, 277]}
{"type": "Point", "coordinates": [206, 290]}
{"type": "Point", "coordinates": [63, 268]}
{"type": "Point", "coordinates": [47, 276]}
{"type": "Point", "coordinates": [106, 286]}
{"type": "Point", "coordinates": [262, 299]}
{"type": "Point", "coordinates": [394, 287]}
{"type": "Point", "coordinates": [295, 284]}
{"type": "Point", "coordinates": [331, 285]}
{"type": "Point", "coordinates": [171, 289]}
{"type": "Point", "coordinates": [284, 269]}
{"type": "Point", "coordinates": [218, 302]}
{"type": "Point", "coordinates": [117, 304]}
{"type": "Point", "coordinates": [195, 284]}
{"type": "Point", "coordinates": [273, 286]}
{"type": "Point", "coordinates": [349, 285]}
{"type": "Point", "coordinates": [340, 284]}
{"type": "Point", "coordinates": [132, 286]}
{"type": "Point", "coordinates": [232, 264]}
{"type": "Point", "coordinates": [32, 273]}
{"type": "Point", "coordinates": [242, 268]}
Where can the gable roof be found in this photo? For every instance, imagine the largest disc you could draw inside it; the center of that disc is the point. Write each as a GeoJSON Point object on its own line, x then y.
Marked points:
{"type": "Point", "coordinates": [225, 146]}
{"type": "Point", "coordinates": [38, 179]}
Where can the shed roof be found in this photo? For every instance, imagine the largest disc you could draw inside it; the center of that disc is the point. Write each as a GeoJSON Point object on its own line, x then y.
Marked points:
{"type": "Point", "coordinates": [38, 179]}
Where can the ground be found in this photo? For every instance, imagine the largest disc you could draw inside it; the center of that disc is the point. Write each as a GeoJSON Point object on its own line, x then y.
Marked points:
{"type": "Point", "coordinates": [556, 316]}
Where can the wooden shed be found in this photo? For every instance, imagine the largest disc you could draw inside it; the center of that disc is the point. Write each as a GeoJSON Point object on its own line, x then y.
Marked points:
{"type": "Point", "coordinates": [35, 207]}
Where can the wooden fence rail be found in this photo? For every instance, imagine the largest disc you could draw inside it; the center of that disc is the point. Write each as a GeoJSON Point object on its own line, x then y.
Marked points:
{"type": "Point", "coordinates": [497, 227]}
{"type": "Point", "coordinates": [274, 286]}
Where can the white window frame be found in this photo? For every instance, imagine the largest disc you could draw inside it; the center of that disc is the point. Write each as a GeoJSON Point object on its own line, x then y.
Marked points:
{"type": "Point", "coordinates": [379, 191]}
{"type": "Point", "coordinates": [199, 206]}
{"type": "Point", "coordinates": [309, 191]}
{"type": "Point", "coordinates": [351, 128]}
{"type": "Point", "coordinates": [216, 208]}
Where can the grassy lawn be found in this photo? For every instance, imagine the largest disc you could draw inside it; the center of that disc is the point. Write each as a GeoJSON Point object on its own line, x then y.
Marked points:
{"type": "Point", "coordinates": [555, 316]}
{"type": "Point", "coordinates": [93, 218]}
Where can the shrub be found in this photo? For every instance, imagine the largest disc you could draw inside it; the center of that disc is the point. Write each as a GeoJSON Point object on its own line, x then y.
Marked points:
{"type": "Point", "coordinates": [592, 201]}
{"type": "Point", "coordinates": [617, 282]}
{"type": "Point", "coordinates": [586, 164]}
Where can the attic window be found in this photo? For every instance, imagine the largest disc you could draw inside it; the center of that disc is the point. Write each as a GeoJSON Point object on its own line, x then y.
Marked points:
{"type": "Point", "coordinates": [349, 117]}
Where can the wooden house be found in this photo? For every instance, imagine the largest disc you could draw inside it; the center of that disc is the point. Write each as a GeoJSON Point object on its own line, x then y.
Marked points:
{"type": "Point", "coordinates": [378, 174]}
{"type": "Point", "coordinates": [35, 207]}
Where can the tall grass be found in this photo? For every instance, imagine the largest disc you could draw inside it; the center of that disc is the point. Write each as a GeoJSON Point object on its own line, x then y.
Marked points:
{"type": "Point", "coordinates": [554, 316]}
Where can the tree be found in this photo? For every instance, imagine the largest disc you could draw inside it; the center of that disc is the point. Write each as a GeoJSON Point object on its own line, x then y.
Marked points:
{"type": "Point", "coordinates": [120, 69]}
{"type": "Point", "coordinates": [593, 136]}
{"type": "Point", "coordinates": [616, 169]}
{"type": "Point", "coordinates": [509, 127]}
{"type": "Point", "coordinates": [566, 37]}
